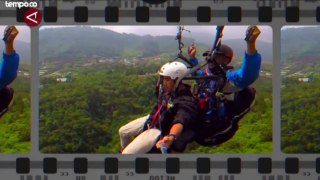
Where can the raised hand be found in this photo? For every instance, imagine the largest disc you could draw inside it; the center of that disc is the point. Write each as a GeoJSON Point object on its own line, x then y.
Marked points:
{"type": "Point", "coordinates": [252, 34]}
{"type": "Point", "coordinates": [192, 51]}
{"type": "Point", "coordinates": [10, 33]}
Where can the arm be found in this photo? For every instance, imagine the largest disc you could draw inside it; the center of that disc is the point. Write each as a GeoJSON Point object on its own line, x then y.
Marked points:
{"type": "Point", "coordinates": [249, 72]}
{"type": "Point", "coordinates": [10, 60]}
{"type": "Point", "coordinates": [175, 131]}
{"type": "Point", "coordinates": [185, 117]}
{"type": "Point", "coordinates": [251, 42]}
{"type": "Point", "coordinates": [8, 69]}
{"type": "Point", "coordinates": [192, 54]}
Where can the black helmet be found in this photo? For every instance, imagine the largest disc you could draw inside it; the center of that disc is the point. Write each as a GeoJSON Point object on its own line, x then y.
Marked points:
{"type": "Point", "coordinates": [223, 50]}
{"type": "Point", "coordinates": [6, 97]}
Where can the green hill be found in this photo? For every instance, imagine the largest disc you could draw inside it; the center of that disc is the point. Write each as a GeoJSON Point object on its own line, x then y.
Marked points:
{"type": "Point", "coordinates": [300, 116]}
{"type": "Point", "coordinates": [299, 45]}
{"type": "Point", "coordinates": [80, 43]}
{"type": "Point", "coordinates": [300, 100]}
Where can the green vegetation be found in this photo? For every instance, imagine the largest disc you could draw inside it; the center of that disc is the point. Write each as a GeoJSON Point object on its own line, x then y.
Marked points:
{"type": "Point", "coordinates": [15, 124]}
{"type": "Point", "coordinates": [84, 115]}
{"type": "Point", "coordinates": [300, 104]}
{"type": "Point", "coordinates": [300, 101]}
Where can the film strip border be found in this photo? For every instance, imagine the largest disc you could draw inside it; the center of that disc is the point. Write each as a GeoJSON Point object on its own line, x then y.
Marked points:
{"type": "Point", "coordinates": [171, 165]}
{"type": "Point", "coordinates": [173, 12]}
{"type": "Point", "coordinates": [203, 166]}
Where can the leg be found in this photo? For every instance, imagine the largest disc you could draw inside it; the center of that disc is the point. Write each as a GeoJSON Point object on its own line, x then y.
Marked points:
{"type": "Point", "coordinates": [130, 130]}
{"type": "Point", "coordinates": [143, 143]}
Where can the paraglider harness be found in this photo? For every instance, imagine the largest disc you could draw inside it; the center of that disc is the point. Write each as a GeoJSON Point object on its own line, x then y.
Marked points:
{"type": "Point", "coordinates": [220, 115]}
{"type": "Point", "coordinates": [6, 97]}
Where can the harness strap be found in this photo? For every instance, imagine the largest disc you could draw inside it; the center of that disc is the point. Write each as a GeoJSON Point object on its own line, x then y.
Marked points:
{"type": "Point", "coordinates": [154, 117]}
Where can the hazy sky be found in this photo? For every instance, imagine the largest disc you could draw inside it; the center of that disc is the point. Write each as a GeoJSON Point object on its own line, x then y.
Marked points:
{"type": "Point", "coordinates": [24, 33]}
{"type": "Point", "coordinates": [287, 27]}
{"type": "Point", "coordinates": [230, 32]}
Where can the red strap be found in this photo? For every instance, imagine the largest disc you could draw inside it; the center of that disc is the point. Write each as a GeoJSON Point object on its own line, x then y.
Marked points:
{"type": "Point", "coordinates": [207, 73]}
{"type": "Point", "coordinates": [153, 119]}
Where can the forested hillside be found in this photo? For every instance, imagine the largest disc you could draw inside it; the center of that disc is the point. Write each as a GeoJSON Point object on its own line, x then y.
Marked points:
{"type": "Point", "coordinates": [300, 100]}
{"type": "Point", "coordinates": [300, 44]}
{"type": "Point", "coordinates": [82, 116]}
{"type": "Point", "coordinates": [300, 116]}
{"type": "Point", "coordinates": [15, 124]}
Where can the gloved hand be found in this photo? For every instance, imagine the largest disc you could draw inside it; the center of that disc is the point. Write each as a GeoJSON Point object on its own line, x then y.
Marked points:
{"type": "Point", "coordinates": [192, 51]}
{"type": "Point", "coordinates": [10, 34]}
{"type": "Point", "coordinates": [252, 34]}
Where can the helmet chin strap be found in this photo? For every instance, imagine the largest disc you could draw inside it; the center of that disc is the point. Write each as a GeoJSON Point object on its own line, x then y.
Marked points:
{"type": "Point", "coordinates": [175, 89]}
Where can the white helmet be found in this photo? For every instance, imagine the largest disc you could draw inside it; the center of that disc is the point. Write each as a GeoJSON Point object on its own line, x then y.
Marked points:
{"type": "Point", "coordinates": [173, 70]}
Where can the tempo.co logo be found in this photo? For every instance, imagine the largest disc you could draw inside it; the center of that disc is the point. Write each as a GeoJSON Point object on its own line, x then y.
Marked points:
{"type": "Point", "coordinates": [21, 4]}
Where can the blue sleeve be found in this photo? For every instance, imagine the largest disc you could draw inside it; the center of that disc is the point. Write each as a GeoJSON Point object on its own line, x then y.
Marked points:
{"type": "Point", "coordinates": [248, 73]}
{"type": "Point", "coordinates": [8, 68]}
{"type": "Point", "coordinates": [200, 73]}
{"type": "Point", "coordinates": [194, 61]}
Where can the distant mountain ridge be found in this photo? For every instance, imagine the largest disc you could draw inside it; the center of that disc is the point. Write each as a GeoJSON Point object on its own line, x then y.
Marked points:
{"type": "Point", "coordinates": [300, 45]}
{"type": "Point", "coordinates": [75, 42]}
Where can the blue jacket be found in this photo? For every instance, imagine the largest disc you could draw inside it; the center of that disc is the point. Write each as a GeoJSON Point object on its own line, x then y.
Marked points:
{"type": "Point", "coordinates": [247, 74]}
{"type": "Point", "coordinates": [8, 68]}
